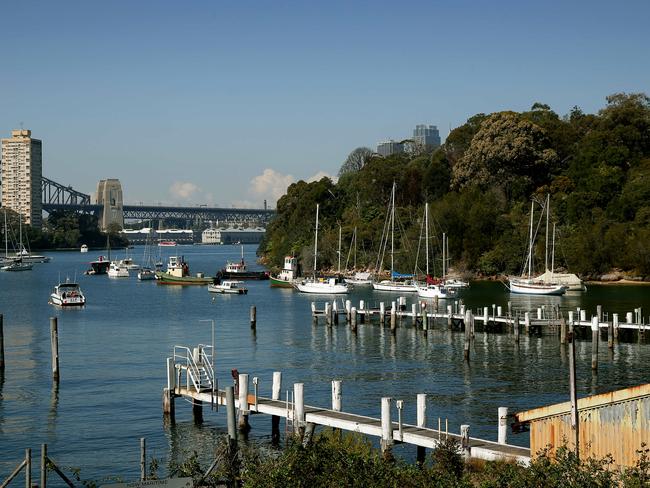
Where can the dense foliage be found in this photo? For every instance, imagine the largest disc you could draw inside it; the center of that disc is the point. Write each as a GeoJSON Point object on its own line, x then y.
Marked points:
{"type": "Point", "coordinates": [479, 185]}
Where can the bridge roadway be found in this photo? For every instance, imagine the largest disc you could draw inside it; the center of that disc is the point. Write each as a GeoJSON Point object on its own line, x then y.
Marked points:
{"type": "Point", "coordinates": [168, 213]}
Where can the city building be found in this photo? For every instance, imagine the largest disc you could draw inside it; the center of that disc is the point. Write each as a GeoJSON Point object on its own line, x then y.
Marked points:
{"type": "Point", "coordinates": [109, 194]}
{"type": "Point", "coordinates": [387, 148]}
{"type": "Point", "coordinates": [22, 171]}
{"type": "Point", "coordinates": [426, 136]}
{"type": "Point", "coordinates": [232, 235]}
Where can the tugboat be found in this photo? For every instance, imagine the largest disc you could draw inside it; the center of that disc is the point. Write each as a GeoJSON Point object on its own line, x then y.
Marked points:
{"type": "Point", "coordinates": [99, 267]}
{"type": "Point", "coordinates": [289, 273]}
{"type": "Point", "coordinates": [67, 295]}
{"type": "Point", "coordinates": [238, 271]}
{"type": "Point", "coordinates": [178, 273]}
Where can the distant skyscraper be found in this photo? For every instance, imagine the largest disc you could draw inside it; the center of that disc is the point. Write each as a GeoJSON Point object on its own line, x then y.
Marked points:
{"type": "Point", "coordinates": [386, 148]}
{"type": "Point", "coordinates": [109, 194]}
{"type": "Point", "coordinates": [22, 171]}
{"type": "Point", "coordinates": [426, 136]}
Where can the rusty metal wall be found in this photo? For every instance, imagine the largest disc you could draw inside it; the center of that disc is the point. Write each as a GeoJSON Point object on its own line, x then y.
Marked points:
{"type": "Point", "coordinates": [617, 429]}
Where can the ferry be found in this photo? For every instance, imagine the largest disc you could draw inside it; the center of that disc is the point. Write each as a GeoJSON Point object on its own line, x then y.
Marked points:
{"type": "Point", "coordinates": [67, 295]}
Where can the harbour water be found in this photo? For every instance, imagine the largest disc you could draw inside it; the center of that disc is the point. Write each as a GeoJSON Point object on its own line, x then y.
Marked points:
{"type": "Point", "coordinates": [112, 360]}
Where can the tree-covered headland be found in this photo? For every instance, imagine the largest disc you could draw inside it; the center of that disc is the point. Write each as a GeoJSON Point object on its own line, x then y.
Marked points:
{"type": "Point", "coordinates": [479, 185]}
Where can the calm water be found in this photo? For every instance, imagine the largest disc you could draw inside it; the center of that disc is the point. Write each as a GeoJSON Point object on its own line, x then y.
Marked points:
{"type": "Point", "coordinates": [113, 362]}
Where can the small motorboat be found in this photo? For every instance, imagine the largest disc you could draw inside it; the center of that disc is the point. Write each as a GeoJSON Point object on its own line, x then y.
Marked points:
{"type": "Point", "coordinates": [146, 274]}
{"type": "Point", "coordinates": [234, 287]}
{"type": "Point", "coordinates": [67, 295]}
{"type": "Point", "coordinates": [118, 270]}
{"type": "Point", "coordinates": [84, 248]}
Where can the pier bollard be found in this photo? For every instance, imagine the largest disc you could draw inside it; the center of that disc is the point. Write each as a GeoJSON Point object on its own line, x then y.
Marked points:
{"type": "Point", "coordinates": [54, 342]}
{"type": "Point", "coordinates": [335, 311]}
{"type": "Point", "coordinates": [599, 312]}
{"type": "Point", "coordinates": [595, 333]}
{"type": "Point", "coordinates": [299, 407]}
{"type": "Point", "coordinates": [382, 313]}
{"type": "Point", "coordinates": [414, 314]}
{"type": "Point", "coordinates": [353, 319]}
{"type": "Point", "coordinates": [328, 313]}
{"type": "Point", "coordinates": [2, 346]}
{"type": "Point", "coordinates": [422, 423]}
{"type": "Point", "coordinates": [503, 425]}
{"type": "Point", "coordinates": [464, 440]}
{"type": "Point", "coordinates": [336, 395]}
{"type": "Point", "coordinates": [386, 428]}
{"type": "Point", "coordinates": [527, 322]}
{"type": "Point", "coordinates": [615, 325]}
{"type": "Point", "coordinates": [362, 316]}
{"type": "Point", "coordinates": [515, 327]}
{"type": "Point", "coordinates": [253, 316]}
{"type": "Point", "coordinates": [231, 416]}
{"type": "Point", "coordinates": [243, 402]}
{"type": "Point", "coordinates": [425, 316]}
{"type": "Point", "coordinates": [276, 388]}
{"type": "Point", "coordinates": [468, 332]}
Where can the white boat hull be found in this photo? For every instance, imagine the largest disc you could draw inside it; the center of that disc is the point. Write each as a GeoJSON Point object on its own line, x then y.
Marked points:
{"type": "Point", "coordinates": [434, 291]}
{"type": "Point", "coordinates": [397, 286]}
{"type": "Point", "coordinates": [536, 288]}
{"type": "Point", "coordinates": [118, 273]}
{"type": "Point", "coordinates": [77, 301]}
{"type": "Point", "coordinates": [230, 291]}
{"type": "Point", "coordinates": [322, 288]}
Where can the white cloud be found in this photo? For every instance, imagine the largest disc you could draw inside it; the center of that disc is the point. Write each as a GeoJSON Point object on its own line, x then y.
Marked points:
{"type": "Point", "coordinates": [183, 190]}
{"type": "Point", "coordinates": [319, 176]}
{"type": "Point", "coordinates": [270, 185]}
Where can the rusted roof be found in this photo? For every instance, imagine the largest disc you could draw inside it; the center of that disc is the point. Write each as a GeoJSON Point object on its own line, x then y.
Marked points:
{"type": "Point", "coordinates": [593, 401]}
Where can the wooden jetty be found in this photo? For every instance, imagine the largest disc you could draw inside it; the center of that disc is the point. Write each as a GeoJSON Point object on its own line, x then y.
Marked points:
{"type": "Point", "coordinates": [190, 375]}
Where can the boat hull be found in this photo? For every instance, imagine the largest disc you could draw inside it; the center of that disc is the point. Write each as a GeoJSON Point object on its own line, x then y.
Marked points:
{"type": "Point", "coordinates": [322, 288]}
{"type": "Point", "coordinates": [227, 291]}
{"type": "Point", "coordinates": [278, 283]}
{"type": "Point", "coordinates": [167, 279]}
{"type": "Point", "coordinates": [67, 302]}
{"type": "Point", "coordinates": [434, 291]}
{"type": "Point", "coordinates": [524, 288]}
{"type": "Point", "coordinates": [394, 286]}
{"type": "Point", "coordinates": [248, 275]}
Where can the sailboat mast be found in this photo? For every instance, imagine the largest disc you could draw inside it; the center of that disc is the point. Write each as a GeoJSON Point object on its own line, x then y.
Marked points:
{"type": "Point", "coordinates": [339, 248]}
{"type": "Point", "coordinates": [530, 245]}
{"type": "Point", "coordinates": [392, 233]}
{"type": "Point", "coordinates": [316, 240]}
{"type": "Point", "coordinates": [444, 254]}
{"type": "Point", "coordinates": [553, 254]}
{"type": "Point", "coordinates": [6, 242]}
{"type": "Point", "coordinates": [355, 248]}
{"type": "Point", "coordinates": [548, 203]}
{"type": "Point", "coordinates": [426, 233]}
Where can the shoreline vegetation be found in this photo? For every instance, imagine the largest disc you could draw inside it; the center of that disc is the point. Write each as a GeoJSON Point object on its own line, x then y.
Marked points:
{"type": "Point", "coordinates": [479, 185]}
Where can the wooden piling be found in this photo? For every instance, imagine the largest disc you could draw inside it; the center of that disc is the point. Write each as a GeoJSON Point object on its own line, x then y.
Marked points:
{"type": "Point", "coordinates": [509, 309]}
{"type": "Point", "coordinates": [386, 428]}
{"type": "Point", "coordinates": [299, 407]}
{"type": "Point", "coordinates": [562, 330]}
{"type": "Point", "coordinates": [43, 466]}
{"type": "Point", "coordinates": [610, 335]}
{"type": "Point", "coordinates": [515, 328]}
{"type": "Point", "coordinates": [197, 411]}
{"type": "Point", "coordinates": [393, 318]}
{"type": "Point", "coordinates": [468, 331]}
{"type": "Point", "coordinates": [230, 414]}
{"type": "Point", "coordinates": [253, 316]}
{"type": "Point", "coordinates": [335, 312]}
{"type": "Point", "coordinates": [353, 319]}
{"type": "Point", "coordinates": [615, 325]}
{"type": "Point", "coordinates": [348, 311]}
{"type": "Point", "coordinates": [527, 322]}
{"type": "Point", "coordinates": [421, 422]}
{"type": "Point", "coordinates": [503, 425]}
{"type": "Point", "coordinates": [414, 314]}
{"type": "Point", "coordinates": [54, 342]}
{"type": "Point", "coordinates": [275, 419]}
{"type": "Point", "coordinates": [168, 404]}
{"type": "Point", "coordinates": [464, 440]}
{"type": "Point", "coordinates": [336, 395]}
{"type": "Point", "coordinates": [244, 411]}
{"type": "Point", "coordinates": [599, 312]}
{"type": "Point", "coordinates": [28, 468]}
{"type": "Point", "coordinates": [2, 346]}
{"type": "Point", "coordinates": [143, 459]}
{"type": "Point", "coordinates": [328, 313]}
{"type": "Point", "coordinates": [595, 333]}
{"type": "Point", "coordinates": [382, 313]}
{"type": "Point", "coordinates": [450, 319]}
{"type": "Point", "coordinates": [362, 316]}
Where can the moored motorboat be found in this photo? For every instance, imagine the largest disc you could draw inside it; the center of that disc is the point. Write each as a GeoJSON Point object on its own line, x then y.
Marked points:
{"type": "Point", "coordinates": [238, 271]}
{"type": "Point", "coordinates": [234, 287]}
{"type": "Point", "coordinates": [99, 266]}
{"type": "Point", "coordinates": [117, 269]}
{"type": "Point", "coordinates": [146, 274]}
{"type": "Point", "coordinates": [324, 286]}
{"type": "Point", "coordinates": [359, 279]}
{"type": "Point", "coordinates": [178, 273]}
{"type": "Point", "coordinates": [67, 294]}
{"type": "Point", "coordinates": [84, 248]}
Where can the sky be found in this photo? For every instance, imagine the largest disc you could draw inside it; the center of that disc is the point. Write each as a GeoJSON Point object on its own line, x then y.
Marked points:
{"type": "Point", "coordinates": [227, 103]}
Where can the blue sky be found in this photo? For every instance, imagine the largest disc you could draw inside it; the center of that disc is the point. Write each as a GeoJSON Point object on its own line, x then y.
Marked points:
{"type": "Point", "coordinates": [227, 102]}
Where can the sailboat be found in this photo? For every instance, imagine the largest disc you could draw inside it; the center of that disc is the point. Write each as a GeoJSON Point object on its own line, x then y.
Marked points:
{"type": "Point", "coordinates": [147, 271]}
{"type": "Point", "coordinates": [325, 286]}
{"type": "Point", "coordinates": [432, 289]}
{"type": "Point", "coordinates": [533, 286]}
{"type": "Point", "coordinates": [393, 284]}
{"type": "Point", "coordinates": [15, 264]}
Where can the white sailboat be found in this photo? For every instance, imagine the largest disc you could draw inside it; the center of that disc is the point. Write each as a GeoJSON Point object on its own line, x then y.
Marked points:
{"type": "Point", "coordinates": [361, 278]}
{"type": "Point", "coordinates": [15, 263]}
{"type": "Point", "coordinates": [430, 289]}
{"type": "Point", "coordinates": [392, 284]}
{"type": "Point", "coordinates": [533, 286]}
{"type": "Point", "coordinates": [325, 286]}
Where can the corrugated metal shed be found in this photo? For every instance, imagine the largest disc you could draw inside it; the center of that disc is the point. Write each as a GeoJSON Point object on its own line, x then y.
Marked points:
{"type": "Point", "coordinates": [613, 423]}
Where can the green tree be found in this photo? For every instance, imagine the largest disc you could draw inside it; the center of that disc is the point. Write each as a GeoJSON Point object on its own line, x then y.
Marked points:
{"type": "Point", "coordinates": [356, 160]}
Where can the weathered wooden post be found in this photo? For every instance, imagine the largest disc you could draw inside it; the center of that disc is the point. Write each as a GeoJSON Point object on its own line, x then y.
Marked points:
{"type": "Point", "coordinates": [362, 307]}
{"type": "Point", "coordinates": [485, 318]}
{"type": "Point", "coordinates": [43, 466]}
{"type": "Point", "coordinates": [509, 309]}
{"type": "Point", "coordinates": [328, 313]}
{"type": "Point", "coordinates": [425, 316]}
{"type": "Point", "coordinates": [143, 459]}
{"type": "Point", "coordinates": [314, 317]}
{"type": "Point", "coordinates": [244, 426]}
{"type": "Point", "coordinates": [28, 468]}
{"type": "Point", "coordinates": [468, 331]}
{"type": "Point", "coordinates": [336, 395]}
{"type": "Point", "coordinates": [54, 342]}
{"type": "Point", "coordinates": [275, 419]}
{"type": "Point", "coordinates": [169, 409]}
{"type": "Point", "coordinates": [348, 311]}
{"type": "Point", "coordinates": [414, 314]}
{"type": "Point", "coordinates": [610, 334]}
{"type": "Point", "coordinates": [382, 313]}
{"type": "Point", "coordinates": [615, 325]}
{"type": "Point", "coordinates": [599, 312]}
{"type": "Point", "coordinates": [464, 440]}
{"type": "Point", "coordinates": [253, 316]}
{"type": "Point", "coordinates": [353, 319]}
{"type": "Point", "coordinates": [595, 333]}
{"type": "Point", "coordinates": [503, 425]}
{"type": "Point", "coordinates": [583, 315]}
{"type": "Point", "coordinates": [197, 411]}
{"type": "Point", "coordinates": [386, 428]}
{"type": "Point", "coordinates": [562, 330]}
{"type": "Point", "coordinates": [2, 346]}
{"type": "Point", "coordinates": [449, 317]}
{"type": "Point", "coordinates": [422, 423]}
{"type": "Point", "coordinates": [231, 416]}
{"type": "Point", "coordinates": [299, 411]}
{"type": "Point", "coordinates": [628, 318]}
{"type": "Point", "coordinates": [539, 313]}
{"type": "Point", "coordinates": [527, 322]}
{"type": "Point", "coordinates": [499, 311]}
{"type": "Point", "coordinates": [393, 317]}
{"type": "Point", "coordinates": [515, 327]}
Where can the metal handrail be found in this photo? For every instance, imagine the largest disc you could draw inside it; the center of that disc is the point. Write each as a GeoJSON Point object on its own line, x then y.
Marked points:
{"type": "Point", "coordinates": [191, 368]}
{"type": "Point", "coordinates": [206, 360]}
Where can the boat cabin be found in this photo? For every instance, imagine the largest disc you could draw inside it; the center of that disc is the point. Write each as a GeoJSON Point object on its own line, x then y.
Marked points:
{"type": "Point", "coordinates": [177, 267]}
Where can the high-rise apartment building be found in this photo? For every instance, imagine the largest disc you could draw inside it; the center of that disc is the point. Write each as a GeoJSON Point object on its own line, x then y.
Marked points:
{"type": "Point", "coordinates": [22, 170]}
{"type": "Point", "coordinates": [387, 148]}
{"type": "Point", "coordinates": [426, 136]}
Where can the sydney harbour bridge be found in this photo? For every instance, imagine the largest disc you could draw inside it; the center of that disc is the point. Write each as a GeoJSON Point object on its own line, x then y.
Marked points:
{"type": "Point", "coordinates": [61, 197]}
